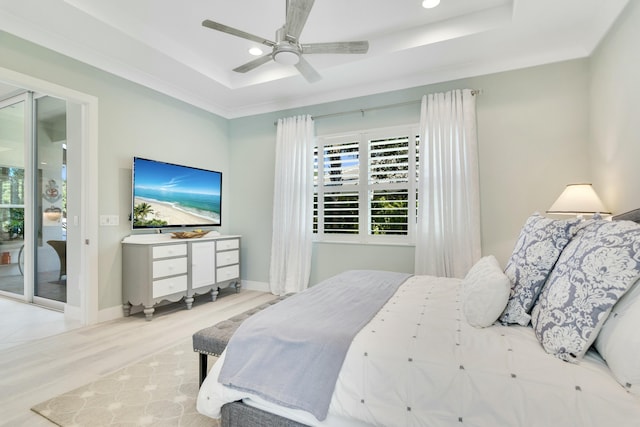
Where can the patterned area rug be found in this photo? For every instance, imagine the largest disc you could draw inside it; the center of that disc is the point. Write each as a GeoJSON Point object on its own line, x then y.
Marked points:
{"type": "Point", "coordinates": [160, 391]}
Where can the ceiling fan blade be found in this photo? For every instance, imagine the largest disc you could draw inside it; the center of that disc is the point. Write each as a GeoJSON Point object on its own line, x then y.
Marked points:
{"type": "Point", "coordinates": [297, 14]}
{"type": "Point", "coordinates": [336, 47]}
{"type": "Point", "coordinates": [253, 64]}
{"type": "Point", "coordinates": [307, 71]}
{"type": "Point", "coordinates": [235, 32]}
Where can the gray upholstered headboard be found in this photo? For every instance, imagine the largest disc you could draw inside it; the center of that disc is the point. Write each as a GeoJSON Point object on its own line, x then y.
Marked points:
{"type": "Point", "coordinates": [633, 215]}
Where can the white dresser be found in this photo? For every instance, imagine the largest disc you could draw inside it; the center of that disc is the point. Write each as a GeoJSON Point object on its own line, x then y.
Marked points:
{"type": "Point", "coordinates": [156, 267]}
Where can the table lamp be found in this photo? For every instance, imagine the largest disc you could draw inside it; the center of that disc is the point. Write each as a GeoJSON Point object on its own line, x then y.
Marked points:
{"type": "Point", "coordinates": [578, 199]}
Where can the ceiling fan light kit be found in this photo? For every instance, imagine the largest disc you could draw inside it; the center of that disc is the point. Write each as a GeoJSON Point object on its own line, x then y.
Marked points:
{"type": "Point", "coordinates": [430, 4]}
{"type": "Point", "coordinates": [287, 50]}
{"type": "Point", "coordinates": [286, 57]}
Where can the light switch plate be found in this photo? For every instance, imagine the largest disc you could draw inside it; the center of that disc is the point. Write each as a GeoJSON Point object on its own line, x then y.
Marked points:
{"type": "Point", "coordinates": [107, 220]}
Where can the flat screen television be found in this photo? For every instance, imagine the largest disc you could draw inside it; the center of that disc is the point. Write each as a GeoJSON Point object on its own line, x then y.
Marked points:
{"type": "Point", "coordinates": [167, 195]}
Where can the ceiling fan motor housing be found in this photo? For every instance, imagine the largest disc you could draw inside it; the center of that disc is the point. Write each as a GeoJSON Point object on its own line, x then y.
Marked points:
{"type": "Point", "coordinates": [285, 52]}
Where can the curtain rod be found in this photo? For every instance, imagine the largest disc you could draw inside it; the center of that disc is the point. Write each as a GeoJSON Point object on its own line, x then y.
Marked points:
{"type": "Point", "coordinates": [382, 107]}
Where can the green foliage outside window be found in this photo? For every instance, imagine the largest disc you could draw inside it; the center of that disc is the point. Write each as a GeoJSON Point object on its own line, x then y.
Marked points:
{"type": "Point", "coordinates": [12, 196]}
{"type": "Point", "coordinates": [389, 211]}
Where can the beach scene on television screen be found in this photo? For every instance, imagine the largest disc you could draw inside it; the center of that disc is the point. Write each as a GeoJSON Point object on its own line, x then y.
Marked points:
{"type": "Point", "coordinates": [166, 195]}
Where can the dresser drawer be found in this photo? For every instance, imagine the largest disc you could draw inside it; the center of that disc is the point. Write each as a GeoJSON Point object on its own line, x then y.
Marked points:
{"type": "Point", "coordinates": [169, 286]}
{"type": "Point", "coordinates": [228, 273]}
{"type": "Point", "coordinates": [228, 257]}
{"type": "Point", "coordinates": [225, 245]}
{"type": "Point", "coordinates": [167, 251]}
{"type": "Point", "coordinates": [169, 267]}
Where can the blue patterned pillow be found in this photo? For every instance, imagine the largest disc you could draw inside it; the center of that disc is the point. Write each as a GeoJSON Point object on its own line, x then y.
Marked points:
{"type": "Point", "coordinates": [540, 243]}
{"type": "Point", "coordinates": [595, 269]}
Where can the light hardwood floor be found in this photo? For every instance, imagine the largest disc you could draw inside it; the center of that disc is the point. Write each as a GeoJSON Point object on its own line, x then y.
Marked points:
{"type": "Point", "coordinates": [34, 371]}
{"type": "Point", "coordinates": [21, 323]}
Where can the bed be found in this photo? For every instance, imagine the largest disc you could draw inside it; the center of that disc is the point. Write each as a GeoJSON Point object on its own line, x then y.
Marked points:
{"type": "Point", "coordinates": [550, 340]}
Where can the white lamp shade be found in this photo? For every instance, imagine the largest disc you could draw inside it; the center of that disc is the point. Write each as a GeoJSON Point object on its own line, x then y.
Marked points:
{"type": "Point", "coordinates": [578, 199]}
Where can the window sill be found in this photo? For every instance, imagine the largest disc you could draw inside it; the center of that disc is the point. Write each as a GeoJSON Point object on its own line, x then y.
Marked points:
{"type": "Point", "coordinates": [360, 243]}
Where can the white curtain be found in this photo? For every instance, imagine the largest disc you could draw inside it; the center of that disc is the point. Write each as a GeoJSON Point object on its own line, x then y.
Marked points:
{"type": "Point", "coordinates": [292, 206]}
{"type": "Point", "coordinates": [448, 233]}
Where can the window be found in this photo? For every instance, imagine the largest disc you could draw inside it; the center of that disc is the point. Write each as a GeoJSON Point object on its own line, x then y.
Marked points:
{"type": "Point", "coordinates": [11, 203]}
{"type": "Point", "coordinates": [365, 184]}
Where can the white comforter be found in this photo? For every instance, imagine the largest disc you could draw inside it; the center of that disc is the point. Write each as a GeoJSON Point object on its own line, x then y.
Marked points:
{"type": "Point", "coordinates": [418, 363]}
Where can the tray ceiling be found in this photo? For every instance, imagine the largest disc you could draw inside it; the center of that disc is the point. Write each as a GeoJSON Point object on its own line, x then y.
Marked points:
{"type": "Point", "coordinates": [161, 43]}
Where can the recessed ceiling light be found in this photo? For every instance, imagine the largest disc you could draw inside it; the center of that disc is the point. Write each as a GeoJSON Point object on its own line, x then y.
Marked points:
{"type": "Point", "coordinates": [255, 51]}
{"type": "Point", "coordinates": [428, 4]}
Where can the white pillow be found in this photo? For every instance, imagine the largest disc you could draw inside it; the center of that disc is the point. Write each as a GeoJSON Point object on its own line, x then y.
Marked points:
{"type": "Point", "coordinates": [619, 340]}
{"type": "Point", "coordinates": [485, 291]}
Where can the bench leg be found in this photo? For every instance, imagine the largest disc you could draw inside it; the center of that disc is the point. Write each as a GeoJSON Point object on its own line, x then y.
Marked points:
{"type": "Point", "coordinates": [203, 367]}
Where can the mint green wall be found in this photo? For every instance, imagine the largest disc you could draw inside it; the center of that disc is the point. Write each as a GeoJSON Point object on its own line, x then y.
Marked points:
{"type": "Point", "coordinates": [532, 130]}
{"type": "Point", "coordinates": [532, 127]}
{"type": "Point", "coordinates": [133, 121]}
{"type": "Point", "coordinates": [615, 113]}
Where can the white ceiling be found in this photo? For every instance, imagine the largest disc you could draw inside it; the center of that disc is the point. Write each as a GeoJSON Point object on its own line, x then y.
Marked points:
{"type": "Point", "coordinates": [161, 43]}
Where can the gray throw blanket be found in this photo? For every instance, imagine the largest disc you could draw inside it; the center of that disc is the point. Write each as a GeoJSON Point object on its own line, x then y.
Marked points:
{"type": "Point", "coordinates": [291, 353]}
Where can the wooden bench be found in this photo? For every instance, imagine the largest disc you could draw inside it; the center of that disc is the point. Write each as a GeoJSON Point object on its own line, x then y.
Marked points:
{"type": "Point", "coordinates": [213, 340]}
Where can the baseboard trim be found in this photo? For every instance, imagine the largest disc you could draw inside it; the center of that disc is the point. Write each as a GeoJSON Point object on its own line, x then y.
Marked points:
{"type": "Point", "coordinates": [110, 313]}
{"type": "Point", "coordinates": [252, 285]}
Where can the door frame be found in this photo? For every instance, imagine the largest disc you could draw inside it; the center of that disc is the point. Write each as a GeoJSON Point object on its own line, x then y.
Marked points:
{"type": "Point", "coordinates": [88, 227]}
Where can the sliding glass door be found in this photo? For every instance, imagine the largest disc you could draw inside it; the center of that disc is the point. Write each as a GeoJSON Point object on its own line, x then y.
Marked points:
{"type": "Point", "coordinates": [12, 195]}
{"type": "Point", "coordinates": [50, 207]}
{"type": "Point", "coordinates": [33, 184]}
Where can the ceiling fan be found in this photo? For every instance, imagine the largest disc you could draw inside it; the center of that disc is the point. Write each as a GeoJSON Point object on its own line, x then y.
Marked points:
{"type": "Point", "coordinates": [287, 48]}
